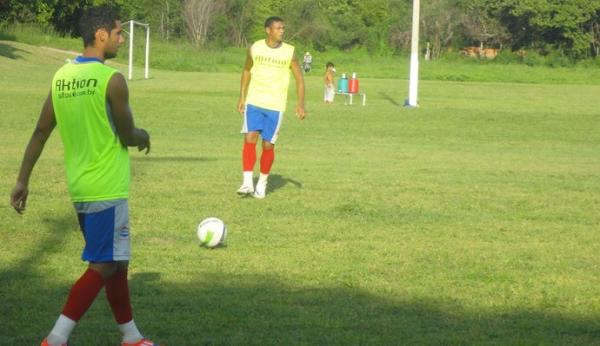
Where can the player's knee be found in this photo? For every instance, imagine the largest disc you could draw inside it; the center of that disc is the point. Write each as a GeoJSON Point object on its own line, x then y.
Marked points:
{"type": "Point", "coordinates": [106, 269]}
{"type": "Point", "coordinates": [267, 145]}
{"type": "Point", "coordinates": [122, 265]}
{"type": "Point", "coordinates": [251, 137]}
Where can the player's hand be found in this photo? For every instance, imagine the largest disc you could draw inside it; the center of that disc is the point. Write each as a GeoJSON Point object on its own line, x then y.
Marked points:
{"type": "Point", "coordinates": [241, 107]}
{"type": "Point", "coordinates": [300, 113]}
{"type": "Point", "coordinates": [143, 141]}
{"type": "Point", "coordinates": [18, 197]}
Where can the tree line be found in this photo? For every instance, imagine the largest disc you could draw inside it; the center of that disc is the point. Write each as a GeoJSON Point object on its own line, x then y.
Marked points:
{"type": "Point", "coordinates": [570, 28]}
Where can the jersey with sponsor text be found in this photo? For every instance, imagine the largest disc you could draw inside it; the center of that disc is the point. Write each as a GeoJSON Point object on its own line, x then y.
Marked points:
{"type": "Point", "coordinates": [97, 164]}
{"type": "Point", "coordinates": [270, 75]}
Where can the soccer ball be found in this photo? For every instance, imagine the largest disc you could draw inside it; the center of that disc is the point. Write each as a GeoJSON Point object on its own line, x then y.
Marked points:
{"type": "Point", "coordinates": [212, 232]}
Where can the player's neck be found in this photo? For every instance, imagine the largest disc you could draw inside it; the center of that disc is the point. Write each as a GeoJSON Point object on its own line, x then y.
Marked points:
{"type": "Point", "coordinates": [92, 52]}
{"type": "Point", "coordinates": [273, 44]}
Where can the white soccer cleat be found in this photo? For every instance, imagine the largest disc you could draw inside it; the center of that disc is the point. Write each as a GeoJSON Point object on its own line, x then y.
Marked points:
{"type": "Point", "coordinates": [245, 190]}
{"type": "Point", "coordinates": [261, 190]}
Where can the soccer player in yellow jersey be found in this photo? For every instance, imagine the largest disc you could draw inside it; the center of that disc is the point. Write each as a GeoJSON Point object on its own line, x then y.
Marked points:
{"type": "Point", "coordinates": [89, 104]}
{"type": "Point", "coordinates": [263, 97]}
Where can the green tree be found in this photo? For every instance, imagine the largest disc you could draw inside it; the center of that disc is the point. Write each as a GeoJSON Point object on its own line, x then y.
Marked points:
{"type": "Point", "coordinates": [565, 25]}
{"type": "Point", "coordinates": [236, 22]}
{"type": "Point", "coordinates": [27, 11]}
{"type": "Point", "coordinates": [479, 27]}
{"type": "Point", "coordinates": [164, 16]}
{"type": "Point", "coordinates": [439, 24]}
{"type": "Point", "coordinates": [399, 33]}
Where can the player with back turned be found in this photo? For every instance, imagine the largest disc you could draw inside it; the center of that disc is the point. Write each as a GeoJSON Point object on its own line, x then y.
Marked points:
{"type": "Point", "coordinates": [89, 104]}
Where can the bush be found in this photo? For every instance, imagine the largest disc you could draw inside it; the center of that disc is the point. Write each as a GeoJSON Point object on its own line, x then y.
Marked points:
{"type": "Point", "coordinates": [506, 56]}
{"type": "Point", "coordinates": [533, 59]}
{"type": "Point", "coordinates": [589, 63]}
{"type": "Point", "coordinates": [557, 59]}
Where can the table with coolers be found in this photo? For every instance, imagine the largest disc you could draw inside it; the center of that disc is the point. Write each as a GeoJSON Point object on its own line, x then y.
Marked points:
{"type": "Point", "coordinates": [349, 88]}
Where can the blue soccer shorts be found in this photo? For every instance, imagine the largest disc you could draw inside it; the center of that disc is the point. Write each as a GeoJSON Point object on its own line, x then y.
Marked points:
{"type": "Point", "coordinates": [265, 121]}
{"type": "Point", "coordinates": [105, 227]}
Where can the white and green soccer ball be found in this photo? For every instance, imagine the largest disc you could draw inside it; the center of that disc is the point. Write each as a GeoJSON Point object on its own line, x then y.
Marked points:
{"type": "Point", "coordinates": [212, 232]}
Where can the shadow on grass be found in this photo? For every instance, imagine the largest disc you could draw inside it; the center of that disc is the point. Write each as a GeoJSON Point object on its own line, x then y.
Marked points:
{"type": "Point", "coordinates": [10, 52]}
{"type": "Point", "coordinates": [24, 296]}
{"type": "Point", "coordinates": [391, 99]}
{"type": "Point", "coordinates": [277, 181]}
{"type": "Point", "coordinates": [46, 246]}
{"type": "Point", "coordinates": [224, 308]}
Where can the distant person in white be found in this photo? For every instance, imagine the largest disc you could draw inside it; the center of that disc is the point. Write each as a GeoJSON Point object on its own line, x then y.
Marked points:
{"type": "Point", "coordinates": [307, 62]}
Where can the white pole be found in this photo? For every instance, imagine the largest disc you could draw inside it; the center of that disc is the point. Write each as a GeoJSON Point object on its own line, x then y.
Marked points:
{"type": "Point", "coordinates": [147, 63]}
{"type": "Point", "coordinates": [414, 58]}
{"type": "Point", "coordinates": [130, 49]}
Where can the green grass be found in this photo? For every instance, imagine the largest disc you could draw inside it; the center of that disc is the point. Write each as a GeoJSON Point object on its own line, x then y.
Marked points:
{"type": "Point", "coordinates": [470, 220]}
{"type": "Point", "coordinates": [37, 35]}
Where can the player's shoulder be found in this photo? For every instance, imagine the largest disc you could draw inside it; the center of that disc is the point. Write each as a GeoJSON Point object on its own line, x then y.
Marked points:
{"type": "Point", "coordinates": [256, 47]}
{"type": "Point", "coordinates": [95, 68]}
{"type": "Point", "coordinates": [118, 77]}
{"type": "Point", "coordinates": [288, 47]}
{"type": "Point", "coordinates": [258, 43]}
{"type": "Point", "coordinates": [110, 70]}
{"type": "Point", "coordinates": [117, 84]}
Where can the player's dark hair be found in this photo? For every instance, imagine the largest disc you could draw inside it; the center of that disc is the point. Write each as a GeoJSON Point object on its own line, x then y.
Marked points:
{"type": "Point", "coordinates": [95, 18]}
{"type": "Point", "coordinates": [272, 20]}
{"type": "Point", "coordinates": [329, 64]}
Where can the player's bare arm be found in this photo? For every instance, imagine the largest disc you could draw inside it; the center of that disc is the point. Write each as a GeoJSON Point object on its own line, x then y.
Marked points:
{"type": "Point", "coordinates": [244, 82]}
{"type": "Point", "coordinates": [295, 66]}
{"type": "Point", "coordinates": [45, 125]}
{"type": "Point", "coordinates": [118, 99]}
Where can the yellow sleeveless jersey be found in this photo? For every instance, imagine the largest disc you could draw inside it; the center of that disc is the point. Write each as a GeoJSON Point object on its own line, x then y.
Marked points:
{"type": "Point", "coordinates": [270, 75]}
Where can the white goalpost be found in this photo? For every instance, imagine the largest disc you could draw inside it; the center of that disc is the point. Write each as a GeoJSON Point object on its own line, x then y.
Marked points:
{"type": "Point", "coordinates": [132, 24]}
{"type": "Point", "coordinates": [413, 83]}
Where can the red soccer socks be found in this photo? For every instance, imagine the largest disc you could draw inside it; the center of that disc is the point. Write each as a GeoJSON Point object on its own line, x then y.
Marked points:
{"type": "Point", "coordinates": [83, 293]}
{"type": "Point", "coordinates": [249, 156]}
{"type": "Point", "coordinates": [266, 160]}
{"type": "Point", "coordinates": [117, 293]}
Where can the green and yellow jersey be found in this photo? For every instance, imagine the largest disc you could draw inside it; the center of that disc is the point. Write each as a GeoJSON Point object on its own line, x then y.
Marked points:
{"type": "Point", "coordinates": [97, 164]}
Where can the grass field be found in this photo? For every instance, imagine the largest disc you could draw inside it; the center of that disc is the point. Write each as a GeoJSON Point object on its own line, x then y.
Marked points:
{"type": "Point", "coordinates": [471, 220]}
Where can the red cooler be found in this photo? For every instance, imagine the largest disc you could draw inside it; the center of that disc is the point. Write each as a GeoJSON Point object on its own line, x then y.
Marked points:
{"type": "Point", "coordinates": [353, 84]}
